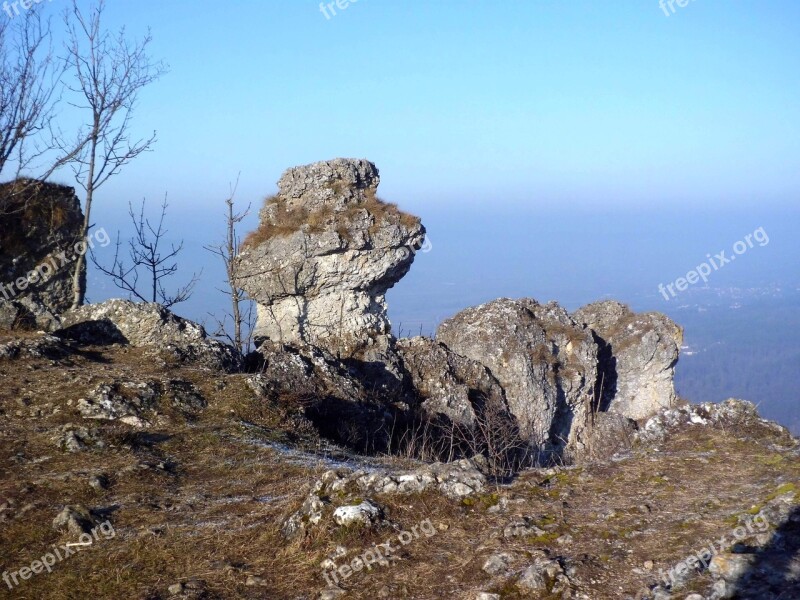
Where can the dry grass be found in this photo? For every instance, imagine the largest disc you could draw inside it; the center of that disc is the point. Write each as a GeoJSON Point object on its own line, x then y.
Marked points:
{"type": "Point", "coordinates": [292, 219]}
{"type": "Point", "coordinates": [214, 513]}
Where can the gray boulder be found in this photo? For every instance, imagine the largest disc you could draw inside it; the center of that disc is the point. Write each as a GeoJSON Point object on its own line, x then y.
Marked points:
{"type": "Point", "coordinates": [147, 325]}
{"type": "Point", "coordinates": [543, 359]}
{"type": "Point", "coordinates": [324, 255]}
{"type": "Point", "coordinates": [638, 354]}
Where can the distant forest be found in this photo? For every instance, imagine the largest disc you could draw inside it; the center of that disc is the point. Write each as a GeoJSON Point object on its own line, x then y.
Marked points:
{"type": "Point", "coordinates": [750, 352]}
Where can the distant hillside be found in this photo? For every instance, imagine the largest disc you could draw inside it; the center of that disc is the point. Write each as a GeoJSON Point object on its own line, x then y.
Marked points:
{"type": "Point", "coordinates": [744, 347]}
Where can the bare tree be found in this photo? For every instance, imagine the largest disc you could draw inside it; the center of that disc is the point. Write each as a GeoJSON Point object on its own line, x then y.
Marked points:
{"type": "Point", "coordinates": [229, 253]}
{"type": "Point", "coordinates": [29, 83]}
{"type": "Point", "coordinates": [109, 72]}
{"type": "Point", "coordinates": [145, 253]}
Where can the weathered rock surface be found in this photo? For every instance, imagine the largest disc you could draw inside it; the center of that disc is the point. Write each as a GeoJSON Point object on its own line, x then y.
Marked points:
{"type": "Point", "coordinates": [447, 383]}
{"type": "Point", "coordinates": [325, 253]}
{"type": "Point", "coordinates": [543, 359]}
{"type": "Point", "coordinates": [120, 401]}
{"type": "Point", "coordinates": [303, 372]}
{"type": "Point", "coordinates": [731, 412]}
{"type": "Point", "coordinates": [42, 346]}
{"type": "Point", "coordinates": [456, 479]}
{"type": "Point", "coordinates": [41, 224]}
{"type": "Point", "coordinates": [365, 513]}
{"type": "Point", "coordinates": [638, 354]}
{"type": "Point", "coordinates": [147, 325]}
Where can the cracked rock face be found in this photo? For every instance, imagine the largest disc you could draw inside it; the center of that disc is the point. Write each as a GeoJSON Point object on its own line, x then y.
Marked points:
{"type": "Point", "coordinates": [325, 253]}
{"type": "Point", "coordinates": [543, 359]}
{"type": "Point", "coordinates": [638, 354]}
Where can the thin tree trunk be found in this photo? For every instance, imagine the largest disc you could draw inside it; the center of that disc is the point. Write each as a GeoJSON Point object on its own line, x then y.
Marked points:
{"type": "Point", "coordinates": [232, 251]}
{"type": "Point", "coordinates": [78, 290]}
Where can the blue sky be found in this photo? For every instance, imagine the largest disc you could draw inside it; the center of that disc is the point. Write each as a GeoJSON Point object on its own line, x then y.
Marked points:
{"type": "Point", "coordinates": [462, 103]}
{"type": "Point", "coordinates": [566, 151]}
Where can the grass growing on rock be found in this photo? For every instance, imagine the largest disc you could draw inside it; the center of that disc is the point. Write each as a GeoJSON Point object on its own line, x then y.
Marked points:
{"type": "Point", "coordinates": [291, 218]}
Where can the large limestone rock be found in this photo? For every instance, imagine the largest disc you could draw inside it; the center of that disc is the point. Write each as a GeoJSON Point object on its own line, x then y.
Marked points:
{"type": "Point", "coordinates": [325, 253]}
{"type": "Point", "coordinates": [40, 223]}
{"type": "Point", "coordinates": [638, 354]}
{"type": "Point", "coordinates": [147, 325]}
{"type": "Point", "coordinates": [544, 360]}
{"type": "Point", "coordinates": [447, 383]}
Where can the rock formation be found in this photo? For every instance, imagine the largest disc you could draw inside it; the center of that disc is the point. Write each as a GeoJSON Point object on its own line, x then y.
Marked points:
{"type": "Point", "coordinates": [545, 362]}
{"type": "Point", "coordinates": [638, 354]}
{"type": "Point", "coordinates": [324, 255]}
{"type": "Point", "coordinates": [562, 373]}
{"type": "Point", "coordinates": [41, 223]}
{"type": "Point", "coordinates": [147, 325]}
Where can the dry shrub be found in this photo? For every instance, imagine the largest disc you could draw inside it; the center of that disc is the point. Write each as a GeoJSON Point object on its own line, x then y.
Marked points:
{"type": "Point", "coordinates": [493, 435]}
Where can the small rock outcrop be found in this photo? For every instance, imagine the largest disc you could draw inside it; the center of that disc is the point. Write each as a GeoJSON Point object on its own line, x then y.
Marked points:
{"type": "Point", "coordinates": [120, 401]}
{"type": "Point", "coordinates": [147, 325]}
{"type": "Point", "coordinates": [543, 359]}
{"type": "Point", "coordinates": [324, 255]}
{"type": "Point", "coordinates": [41, 223]}
{"type": "Point", "coordinates": [638, 354]}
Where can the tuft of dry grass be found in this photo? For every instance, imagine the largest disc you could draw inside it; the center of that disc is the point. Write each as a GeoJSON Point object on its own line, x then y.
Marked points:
{"type": "Point", "coordinates": [289, 220]}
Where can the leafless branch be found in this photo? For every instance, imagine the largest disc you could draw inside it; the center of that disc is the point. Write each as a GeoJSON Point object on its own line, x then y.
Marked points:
{"type": "Point", "coordinates": [145, 252]}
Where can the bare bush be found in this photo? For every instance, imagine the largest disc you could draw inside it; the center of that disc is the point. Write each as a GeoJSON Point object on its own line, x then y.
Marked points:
{"type": "Point", "coordinates": [145, 254]}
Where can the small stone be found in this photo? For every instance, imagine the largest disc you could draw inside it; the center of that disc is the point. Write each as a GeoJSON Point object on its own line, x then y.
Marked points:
{"type": "Point", "coordinates": [365, 513]}
{"type": "Point", "coordinates": [720, 590]}
{"type": "Point", "coordinates": [195, 584]}
{"type": "Point", "coordinates": [487, 596]}
{"type": "Point", "coordinates": [564, 540]}
{"type": "Point", "coordinates": [175, 589]}
{"type": "Point", "coordinates": [694, 597]}
{"type": "Point", "coordinates": [331, 593]}
{"type": "Point", "coordinates": [532, 580]}
{"type": "Point", "coordinates": [497, 564]}
{"type": "Point", "coordinates": [730, 567]}
{"type": "Point", "coordinates": [648, 564]}
{"type": "Point", "coordinates": [253, 580]}
{"type": "Point", "coordinates": [99, 482]}
{"type": "Point", "coordinates": [76, 519]}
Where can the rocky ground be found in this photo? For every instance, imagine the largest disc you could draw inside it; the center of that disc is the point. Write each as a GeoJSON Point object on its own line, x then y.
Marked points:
{"type": "Point", "coordinates": [525, 452]}
{"type": "Point", "coordinates": [198, 486]}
